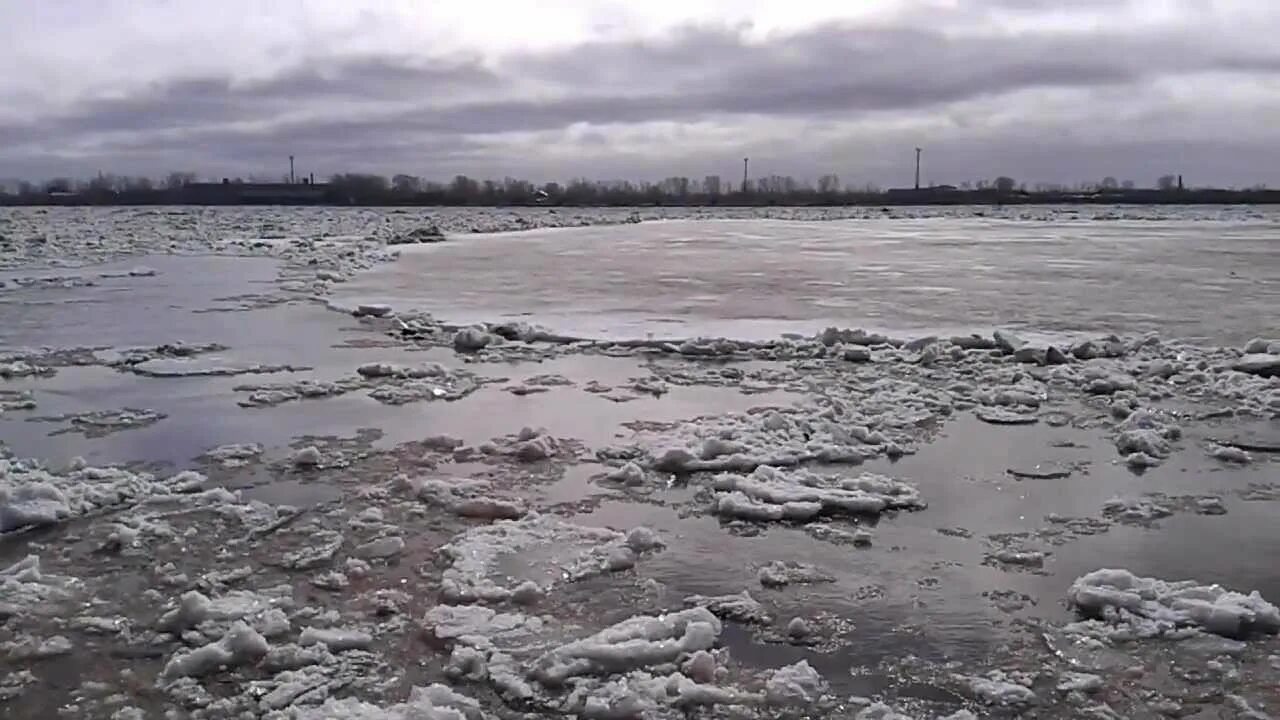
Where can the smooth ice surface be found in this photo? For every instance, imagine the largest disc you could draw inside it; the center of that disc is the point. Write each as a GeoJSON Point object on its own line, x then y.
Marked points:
{"type": "Point", "coordinates": [1054, 271]}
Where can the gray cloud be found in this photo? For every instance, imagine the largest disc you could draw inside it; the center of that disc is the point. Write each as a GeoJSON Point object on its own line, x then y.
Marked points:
{"type": "Point", "coordinates": [381, 112]}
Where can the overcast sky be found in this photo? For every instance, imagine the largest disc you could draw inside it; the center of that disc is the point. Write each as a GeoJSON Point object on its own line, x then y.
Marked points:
{"type": "Point", "coordinates": [1042, 90]}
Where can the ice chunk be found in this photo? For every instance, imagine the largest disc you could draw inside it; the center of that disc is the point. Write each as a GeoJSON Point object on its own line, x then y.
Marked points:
{"type": "Point", "coordinates": [973, 342]}
{"type": "Point", "coordinates": [832, 335]}
{"type": "Point", "coordinates": [630, 474]}
{"type": "Point", "coordinates": [995, 689]}
{"type": "Point", "coordinates": [526, 593]}
{"type": "Point", "coordinates": [478, 625]}
{"type": "Point", "coordinates": [740, 607]}
{"type": "Point", "coordinates": [635, 643]}
{"type": "Point", "coordinates": [32, 648]}
{"type": "Point", "coordinates": [273, 624]}
{"type": "Point", "coordinates": [700, 667]}
{"type": "Point", "coordinates": [292, 657]}
{"type": "Point", "coordinates": [1140, 460]}
{"type": "Point", "coordinates": [880, 711]}
{"type": "Point", "coordinates": [1146, 442]}
{"type": "Point", "coordinates": [739, 505]}
{"type": "Point", "coordinates": [442, 443]}
{"type": "Point", "coordinates": [797, 684]}
{"type": "Point", "coordinates": [1157, 607]}
{"type": "Point", "coordinates": [193, 609]}
{"type": "Point", "coordinates": [856, 353]}
{"type": "Point", "coordinates": [1079, 682]}
{"type": "Point", "coordinates": [428, 233]}
{"type": "Point", "coordinates": [1230, 454]}
{"type": "Point", "coordinates": [326, 544]}
{"type": "Point", "coordinates": [1042, 355]}
{"type": "Point", "coordinates": [467, 663]}
{"type": "Point", "coordinates": [488, 562]}
{"type": "Point", "coordinates": [798, 629]}
{"type": "Point", "coordinates": [381, 548]}
{"type": "Point", "coordinates": [1110, 347]}
{"type": "Point", "coordinates": [242, 645]}
{"type": "Point", "coordinates": [1264, 365]}
{"type": "Point", "coordinates": [799, 495]}
{"type": "Point", "coordinates": [714, 447]}
{"type": "Point", "coordinates": [1258, 346]}
{"type": "Point", "coordinates": [32, 504]}
{"type": "Point", "coordinates": [473, 339]}
{"type": "Point", "coordinates": [307, 457]}
{"type": "Point", "coordinates": [1001, 416]}
{"type": "Point", "coordinates": [643, 539]}
{"type": "Point", "coordinates": [677, 461]}
{"type": "Point", "coordinates": [372, 310]}
{"type": "Point", "coordinates": [337, 640]}
{"type": "Point", "coordinates": [535, 449]}
{"type": "Point", "coordinates": [781, 573]}
{"type": "Point", "coordinates": [1135, 509]}
{"type": "Point", "coordinates": [1007, 341]}
{"type": "Point", "coordinates": [1146, 434]}
{"type": "Point", "coordinates": [435, 702]}
{"type": "Point", "coordinates": [488, 508]}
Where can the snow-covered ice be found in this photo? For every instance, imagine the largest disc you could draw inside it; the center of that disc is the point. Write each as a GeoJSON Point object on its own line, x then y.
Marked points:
{"type": "Point", "coordinates": [538, 548]}
{"type": "Point", "coordinates": [797, 684]}
{"type": "Point", "coordinates": [782, 573]}
{"type": "Point", "coordinates": [770, 494]}
{"type": "Point", "coordinates": [739, 607]}
{"type": "Point", "coordinates": [636, 643]}
{"type": "Point", "coordinates": [31, 495]}
{"type": "Point", "coordinates": [1151, 607]}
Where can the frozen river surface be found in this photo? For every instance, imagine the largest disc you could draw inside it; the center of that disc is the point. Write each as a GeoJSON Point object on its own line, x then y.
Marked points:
{"type": "Point", "coordinates": [1187, 277]}
{"type": "Point", "coordinates": [200, 459]}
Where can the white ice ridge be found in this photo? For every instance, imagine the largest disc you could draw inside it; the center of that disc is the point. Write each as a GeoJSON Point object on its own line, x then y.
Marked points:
{"type": "Point", "coordinates": [770, 494]}
{"type": "Point", "coordinates": [1152, 607]}
{"type": "Point", "coordinates": [545, 549]}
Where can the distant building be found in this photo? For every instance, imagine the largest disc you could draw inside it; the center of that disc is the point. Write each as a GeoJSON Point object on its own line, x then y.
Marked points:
{"type": "Point", "coordinates": [227, 192]}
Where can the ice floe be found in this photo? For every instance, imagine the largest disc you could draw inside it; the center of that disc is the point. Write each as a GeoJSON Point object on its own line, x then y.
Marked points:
{"type": "Point", "coordinates": [1149, 607]}
{"type": "Point", "coordinates": [31, 495]}
{"type": "Point", "coordinates": [548, 551]}
{"type": "Point", "coordinates": [770, 494]}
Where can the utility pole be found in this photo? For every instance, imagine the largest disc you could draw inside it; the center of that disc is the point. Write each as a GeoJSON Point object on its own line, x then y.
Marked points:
{"type": "Point", "coordinates": [744, 174]}
{"type": "Point", "coordinates": [291, 176]}
{"type": "Point", "coordinates": [918, 168]}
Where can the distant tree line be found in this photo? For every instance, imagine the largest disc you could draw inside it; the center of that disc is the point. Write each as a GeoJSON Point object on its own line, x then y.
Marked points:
{"type": "Point", "coordinates": [409, 190]}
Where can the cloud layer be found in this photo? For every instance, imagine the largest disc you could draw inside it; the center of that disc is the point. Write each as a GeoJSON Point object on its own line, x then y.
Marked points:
{"type": "Point", "coordinates": [1130, 88]}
